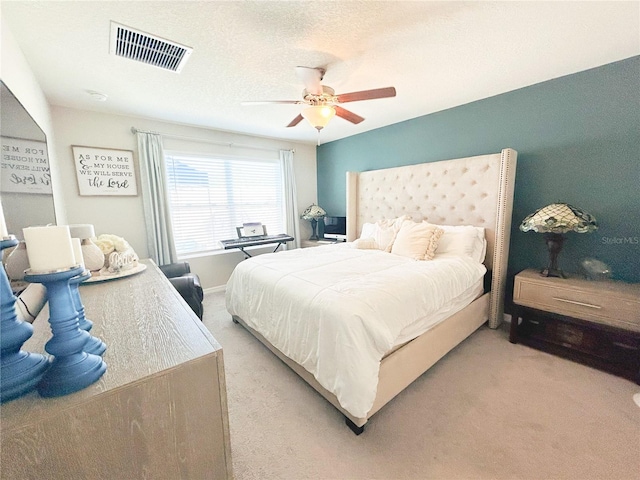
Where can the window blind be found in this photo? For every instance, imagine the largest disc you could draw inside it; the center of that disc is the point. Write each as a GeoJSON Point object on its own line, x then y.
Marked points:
{"type": "Point", "coordinates": [210, 196]}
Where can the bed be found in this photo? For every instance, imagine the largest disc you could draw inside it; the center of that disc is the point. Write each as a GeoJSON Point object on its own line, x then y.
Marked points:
{"type": "Point", "coordinates": [341, 317]}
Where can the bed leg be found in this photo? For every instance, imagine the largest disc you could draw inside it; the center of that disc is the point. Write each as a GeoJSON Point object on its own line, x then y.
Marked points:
{"type": "Point", "coordinates": [354, 428]}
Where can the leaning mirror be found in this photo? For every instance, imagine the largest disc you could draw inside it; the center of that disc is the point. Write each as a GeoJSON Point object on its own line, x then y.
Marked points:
{"type": "Point", "coordinates": [25, 179]}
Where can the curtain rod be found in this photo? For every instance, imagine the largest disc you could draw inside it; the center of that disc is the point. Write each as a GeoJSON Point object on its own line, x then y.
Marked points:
{"type": "Point", "coordinates": [134, 130]}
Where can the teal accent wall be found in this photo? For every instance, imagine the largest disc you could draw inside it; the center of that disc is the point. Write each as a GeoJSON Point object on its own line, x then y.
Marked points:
{"type": "Point", "coordinates": [578, 141]}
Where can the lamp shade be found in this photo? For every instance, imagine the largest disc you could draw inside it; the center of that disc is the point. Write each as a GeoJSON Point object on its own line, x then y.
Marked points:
{"type": "Point", "coordinates": [319, 115]}
{"type": "Point", "coordinates": [559, 218]}
{"type": "Point", "coordinates": [313, 212]}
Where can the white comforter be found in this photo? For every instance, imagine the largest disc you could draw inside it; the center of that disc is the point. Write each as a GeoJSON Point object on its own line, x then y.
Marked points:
{"type": "Point", "coordinates": [337, 310]}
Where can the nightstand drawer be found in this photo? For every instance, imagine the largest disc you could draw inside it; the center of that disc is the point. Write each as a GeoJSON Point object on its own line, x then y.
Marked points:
{"type": "Point", "coordinates": [613, 350]}
{"type": "Point", "coordinates": [583, 300]}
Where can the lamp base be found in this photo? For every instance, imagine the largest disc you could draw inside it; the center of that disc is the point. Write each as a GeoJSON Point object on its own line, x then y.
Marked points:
{"type": "Point", "coordinates": [314, 226]}
{"type": "Point", "coordinates": [554, 245]}
{"type": "Point", "coordinates": [552, 272]}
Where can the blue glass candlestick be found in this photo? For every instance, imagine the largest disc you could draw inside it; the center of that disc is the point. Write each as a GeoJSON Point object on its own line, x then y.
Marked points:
{"type": "Point", "coordinates": [20, 371]}
{"type": "Point", "coordinates": [72, 368]}
{"type": "Point", "coordinates": [94, 345]}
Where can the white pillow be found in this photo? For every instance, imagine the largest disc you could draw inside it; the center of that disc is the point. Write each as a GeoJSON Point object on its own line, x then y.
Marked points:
{"type": "Point", "coordinates": [417, 240]}
{"type": "Point", "coordinates": [366, 243]}
{"type": "Point", "coordinates": [386, 231]}
{"type": "Point", "coordinates": [368, 230]}
{"type": "Point", "coordinates": [462, 240]}
{"type": "Point", "coordinates": [383, 231]}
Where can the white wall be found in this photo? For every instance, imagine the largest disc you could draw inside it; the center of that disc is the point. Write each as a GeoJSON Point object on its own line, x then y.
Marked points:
{"type": "Point", "coordinates": [124, 216]}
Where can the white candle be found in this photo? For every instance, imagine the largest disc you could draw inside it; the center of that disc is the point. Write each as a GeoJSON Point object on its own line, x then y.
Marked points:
{"type": "Point", "coordinates": [49, 248]}
{"type": "Point", "coordinates": [3, 224]}
{"type": "Point", "coordinates": [77, 251]}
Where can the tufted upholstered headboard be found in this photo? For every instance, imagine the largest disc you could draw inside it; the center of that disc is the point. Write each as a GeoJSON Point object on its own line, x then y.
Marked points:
{"type": "Point", "coordinates": [466, 191]}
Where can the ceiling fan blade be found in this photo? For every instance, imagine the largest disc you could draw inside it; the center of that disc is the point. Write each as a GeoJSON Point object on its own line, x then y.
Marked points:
{"type": "Point", "coordinates": [347, 115]}
{"type": "Point", "coordinates": [269, 102]}
{"type": "Point", "coordinates": [295, 121]}
{"type": "Point", "coordinates": [311, 77]}
{"type": "Point", "coordinates": [367, 94]}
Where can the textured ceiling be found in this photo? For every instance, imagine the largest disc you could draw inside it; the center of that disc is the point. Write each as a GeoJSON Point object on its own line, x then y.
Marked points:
{"type": "Point", "coordinates": [437, 54]}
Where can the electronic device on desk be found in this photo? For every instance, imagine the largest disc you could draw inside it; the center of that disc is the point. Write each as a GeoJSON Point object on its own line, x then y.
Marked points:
{"type": "Point", "coordinates": [251, 230]}
{"type": "Point", "coordinates": [335, 228]}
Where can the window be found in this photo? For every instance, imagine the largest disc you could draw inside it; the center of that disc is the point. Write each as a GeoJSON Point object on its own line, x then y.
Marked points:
{"type": "Point", "coordinates": [209, 196]}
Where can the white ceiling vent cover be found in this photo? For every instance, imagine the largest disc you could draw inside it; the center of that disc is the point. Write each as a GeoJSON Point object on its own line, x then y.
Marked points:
{"type": "Point", "coordinates": [140, 46]}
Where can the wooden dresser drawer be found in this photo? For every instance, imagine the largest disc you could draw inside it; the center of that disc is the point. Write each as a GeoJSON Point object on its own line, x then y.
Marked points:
{"type": "Point", "coordinates": [612, 303]}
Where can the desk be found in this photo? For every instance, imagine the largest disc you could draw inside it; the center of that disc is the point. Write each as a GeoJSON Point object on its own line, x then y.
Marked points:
{"type": "Point", "coordinates": [243, 242]}
{"type": "Point", "coordinates": [318, 243]}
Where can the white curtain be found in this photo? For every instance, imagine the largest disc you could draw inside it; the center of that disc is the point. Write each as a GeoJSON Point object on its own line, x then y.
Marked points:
{"type": "Point", "coordinates": [155, 199]}
{"type": "Point", "coordinates": [292, 223]}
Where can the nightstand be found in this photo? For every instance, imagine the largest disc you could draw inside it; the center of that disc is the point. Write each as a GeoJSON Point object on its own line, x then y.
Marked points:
{"type": "Point", "coordinates": [316, 243]}
{"type": "Point", "coordinates": [594, 322]}
{"type": "Point", "coordinates": [309, 243]}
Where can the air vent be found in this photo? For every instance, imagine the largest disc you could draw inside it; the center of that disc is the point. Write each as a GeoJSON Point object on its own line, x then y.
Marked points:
{"type": "Point", "coordinates": [140, 46]}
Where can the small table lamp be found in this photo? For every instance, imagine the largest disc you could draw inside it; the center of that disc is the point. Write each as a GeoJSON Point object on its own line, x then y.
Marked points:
{"type": "Point", "coordinates": [554, 220]}
{"type": "Point", "coordinates": [313, 213]}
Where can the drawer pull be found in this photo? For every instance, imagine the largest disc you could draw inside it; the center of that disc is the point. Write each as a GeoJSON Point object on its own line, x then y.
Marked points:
{"type": "Point", "coordinates": [582, 304]}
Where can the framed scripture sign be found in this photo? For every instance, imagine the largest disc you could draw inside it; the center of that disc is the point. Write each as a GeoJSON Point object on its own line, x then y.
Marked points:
{"type": "Point", "coordinates": [104, 171]}
{"type": "Point", "coordinates": [24, 167]}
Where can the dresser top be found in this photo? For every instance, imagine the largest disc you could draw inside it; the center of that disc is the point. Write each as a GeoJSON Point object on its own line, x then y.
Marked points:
{"type": "Point", "coordinates": [147, 327]}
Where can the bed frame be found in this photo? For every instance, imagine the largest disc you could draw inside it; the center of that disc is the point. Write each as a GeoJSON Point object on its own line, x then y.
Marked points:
{"type": "Point", "coordinates": [467, 191]}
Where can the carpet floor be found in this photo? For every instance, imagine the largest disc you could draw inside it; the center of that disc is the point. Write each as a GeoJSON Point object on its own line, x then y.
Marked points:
{"type": "Point", "coordinates": [487, 410]}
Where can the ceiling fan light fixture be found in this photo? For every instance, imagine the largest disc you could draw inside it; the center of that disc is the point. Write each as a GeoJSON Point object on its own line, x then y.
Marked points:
{"type": "Point", "coordinates": [319, 115]}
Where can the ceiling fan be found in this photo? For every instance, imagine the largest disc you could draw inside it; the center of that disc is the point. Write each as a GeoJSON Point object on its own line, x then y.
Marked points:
{"type": "Point", "coordinates": [322, 101]}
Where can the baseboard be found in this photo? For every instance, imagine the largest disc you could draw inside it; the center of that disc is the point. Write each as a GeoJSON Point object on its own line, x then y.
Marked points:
{"type": "Point", "coordinates": [219, 288]}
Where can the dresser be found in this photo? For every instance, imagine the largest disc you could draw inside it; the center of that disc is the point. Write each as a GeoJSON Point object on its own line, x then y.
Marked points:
{"type": "Point", "coordinates": [593, 322]}
{"type": "Point", "coordinates": [159, 411]}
